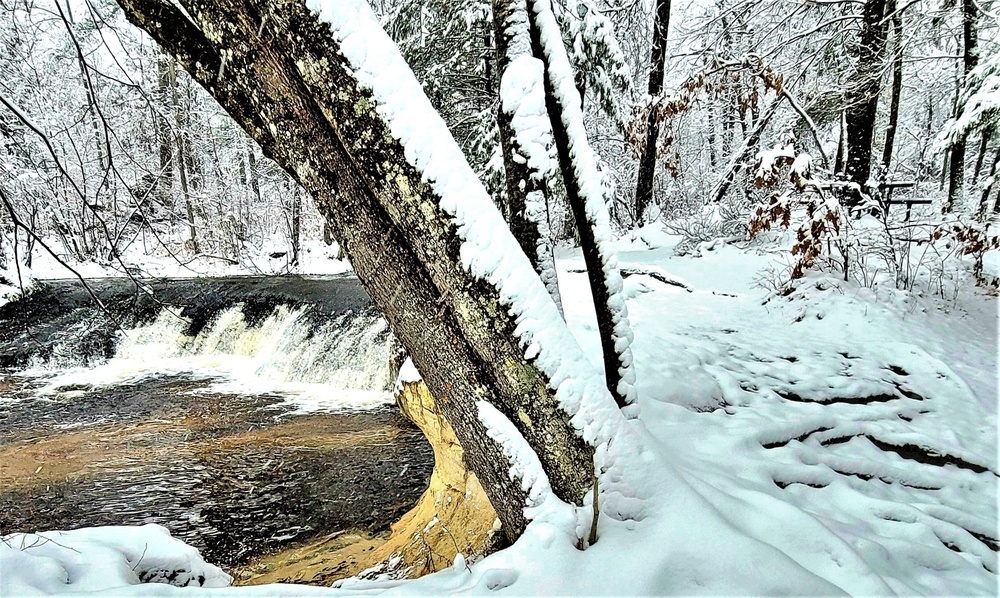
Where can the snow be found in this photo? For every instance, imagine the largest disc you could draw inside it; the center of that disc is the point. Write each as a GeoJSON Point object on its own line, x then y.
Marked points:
{"type": "Point", "coordinates": [704, 512]}
{"type": "Point", "coordinates": [315, 258]}
{"type": "Point", "coordinates": [100, 559]}
{"type": "Point", "coordinates": [980, 102]}
{"type": "Point", "coordinates": [769, 163]}
{"type": "Point", "coordinates": [991, 263]}
{"type": "Point", "coordinates": [522, 96]}
{"type": "Point", "coordinates": [762, 461]}
{"type": "Point", "coordinates": [489, 250]}
{"type": "Point", "coordinates": [408, 372]}
{"type": "Point", "coordinates": [525, 465]}
{"type": "Point", "coordinates": [15, 283]}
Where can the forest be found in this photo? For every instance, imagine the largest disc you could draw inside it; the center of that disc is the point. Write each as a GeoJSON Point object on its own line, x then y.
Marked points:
{"type": "Point", "coordinates": [524, 296]}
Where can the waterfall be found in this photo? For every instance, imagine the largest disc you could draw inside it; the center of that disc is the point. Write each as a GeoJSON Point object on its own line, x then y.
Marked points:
{"type": "Point", "coordinates": [336, 362]}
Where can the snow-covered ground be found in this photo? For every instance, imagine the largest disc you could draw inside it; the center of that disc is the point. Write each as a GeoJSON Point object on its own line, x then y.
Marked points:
{"type": "Point", "coordinates": [316, 258]}
{"type": "Point", "coordinates": [833, 440]}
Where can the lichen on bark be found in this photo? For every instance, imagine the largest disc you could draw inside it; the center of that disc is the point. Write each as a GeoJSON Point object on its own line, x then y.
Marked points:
{"type": "Point", "coordinates": [296, 96]}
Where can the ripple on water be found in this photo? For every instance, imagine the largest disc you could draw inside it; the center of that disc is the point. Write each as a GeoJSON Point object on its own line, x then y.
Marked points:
{"type": "Point", "coordinates": [235, 476]}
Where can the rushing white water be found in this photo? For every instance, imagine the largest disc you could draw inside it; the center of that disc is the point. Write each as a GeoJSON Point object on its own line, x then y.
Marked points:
{"type": "Point", "coordinates": [341, 364]}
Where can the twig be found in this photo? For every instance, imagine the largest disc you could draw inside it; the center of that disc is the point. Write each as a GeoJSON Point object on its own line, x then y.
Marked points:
{"type": "Point", "coordinates": [145, 547]}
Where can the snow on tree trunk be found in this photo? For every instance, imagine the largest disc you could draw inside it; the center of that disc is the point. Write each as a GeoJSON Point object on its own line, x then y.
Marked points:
{"type": "Point", "coordinates": [586, 196]}
{"type": "Point", "coordinates": [333, 102]}
{"type": "Point", "coordinates": [526, 138]}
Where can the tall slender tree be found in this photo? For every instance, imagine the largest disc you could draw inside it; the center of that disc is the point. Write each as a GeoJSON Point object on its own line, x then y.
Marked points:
{"type": "Point", "coordinates": [896, 92]}
{"type": "Point", "coordinates": [970, 58]}
{"type": "Point", "coordinates": [587, 198]}
{"type": "Point", "coordinates": [657, 66]}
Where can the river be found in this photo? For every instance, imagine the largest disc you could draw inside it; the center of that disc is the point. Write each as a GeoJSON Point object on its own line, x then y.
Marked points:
{"type": "Point", "coordinates": [243, 414]}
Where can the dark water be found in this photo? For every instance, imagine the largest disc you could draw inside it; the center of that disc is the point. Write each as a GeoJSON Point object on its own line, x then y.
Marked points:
{"type": "Point", "coordinates": [234, 476]}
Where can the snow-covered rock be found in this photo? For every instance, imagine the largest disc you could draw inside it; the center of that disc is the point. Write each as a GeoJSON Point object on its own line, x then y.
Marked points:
{"type": "Point", "coordinates": [100, 559]}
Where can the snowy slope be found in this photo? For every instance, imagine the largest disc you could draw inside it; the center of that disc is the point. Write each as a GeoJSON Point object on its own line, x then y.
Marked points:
{"type": "Point", "coordinates": [826, 442]}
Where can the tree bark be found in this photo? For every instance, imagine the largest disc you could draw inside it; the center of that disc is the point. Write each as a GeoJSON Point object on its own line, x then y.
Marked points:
{"type": "Point", "coordinates": [164, 181]}
{"type": "Point", "coordinates": [840, 161]}
{"type": "Point", "coordinates": [296, 225]}
{"type": "Point", "coordinates": [193, 157]}
{"type": "Point", "coordinates": [657, 64]}
{"type": "Point", "coordinates": [585, 202]}
{"type": "Point", "coordinates": [984, 200]}
{"type": "Point", "coordinates": [984, 143]}
{"type": "Point", "coordinates": [862, 99]}
{"type": "Point", "coordinates": [527, 186]}
{"type": "Point", "coordinates": [252, 173]}
{"type": "Point", "coordinates": [711, 117]}
{"type": "Point", "coordinates": [180, 139]}
{"type": "Point", "coordinates": [970, 58]}
{"type": "Point", "coordinates": [286, 82]}
{"type": "Point", "coordinates": [897, 85]}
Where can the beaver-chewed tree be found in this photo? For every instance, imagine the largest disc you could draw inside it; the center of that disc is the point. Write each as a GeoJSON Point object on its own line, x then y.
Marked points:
{"type": "Point", "coordinates": [292, 81]}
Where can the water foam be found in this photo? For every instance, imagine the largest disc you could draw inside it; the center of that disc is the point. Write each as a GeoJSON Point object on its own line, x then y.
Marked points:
{"type": "Point", "coordinates": [338, 364]}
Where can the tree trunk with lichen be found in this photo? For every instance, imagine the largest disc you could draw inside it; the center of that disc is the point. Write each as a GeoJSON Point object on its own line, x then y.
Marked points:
{"type": "Point", "coordinates": [284, 79]}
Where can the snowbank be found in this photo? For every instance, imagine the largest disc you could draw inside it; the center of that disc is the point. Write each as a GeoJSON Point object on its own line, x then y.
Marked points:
{"type": "Point", "coordinates": [101, 559]}
{"type": "Point", "coordinates": [315, 258]}
{"type": "Point", "coordinates": [12, 282]}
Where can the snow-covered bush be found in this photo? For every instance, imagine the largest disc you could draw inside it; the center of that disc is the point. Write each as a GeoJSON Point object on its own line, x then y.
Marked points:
{"type": "Point", "coordinates": [725, 220]}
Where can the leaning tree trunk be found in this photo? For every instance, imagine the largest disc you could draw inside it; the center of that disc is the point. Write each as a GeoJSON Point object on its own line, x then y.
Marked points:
{"type": "Point", "coordinates": [282, 74]}
{"type": "Point", "coordinates": [657, 63]}
{"type": "Point", "coordinates": [524, 139]}
{"type": "Point", "coordinates": [970, 58]}
{"type": "Point", "coordinates": [862, 99]}
{"type": "Point", "coordinates": [741, 158]}
{"type": "Point", "coordinates": [587, 199]}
